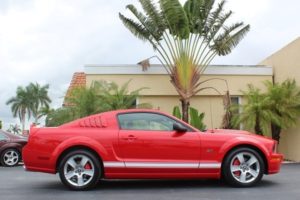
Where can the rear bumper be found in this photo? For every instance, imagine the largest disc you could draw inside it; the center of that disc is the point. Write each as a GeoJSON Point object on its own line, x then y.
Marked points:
{"type": "Point", "coordinates": [35, 161]}
{"type": "Point", "coordinates": [275, 161]}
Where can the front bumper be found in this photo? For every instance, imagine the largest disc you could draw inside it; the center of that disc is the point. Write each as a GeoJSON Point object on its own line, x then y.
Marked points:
{"type": "Point", "coordinates": [275, 161]}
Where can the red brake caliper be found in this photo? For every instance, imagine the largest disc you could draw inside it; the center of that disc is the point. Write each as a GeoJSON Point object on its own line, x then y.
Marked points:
{"type": "Point", "coordinates": [87, 166]}
{"type": "Point", "coordinates": [236, 162]}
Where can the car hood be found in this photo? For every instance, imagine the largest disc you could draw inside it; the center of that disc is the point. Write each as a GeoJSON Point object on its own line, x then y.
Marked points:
{"type": "Point", "coordinates": [18, 138]}
{"type": "Point", "coordinates": [229, 131]}
{"type": "Point", "coordinates": [237, 133]}
{"type": "Point", "coordinates": [21, 139]}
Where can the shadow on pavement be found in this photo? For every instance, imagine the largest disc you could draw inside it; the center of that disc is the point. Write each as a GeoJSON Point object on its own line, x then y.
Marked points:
{"type": "Point", "coordinates": [107, 185]}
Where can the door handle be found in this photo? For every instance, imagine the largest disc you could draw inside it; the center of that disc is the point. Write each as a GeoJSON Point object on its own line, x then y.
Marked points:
{"type": "Point", "coordinates": [130, 138]}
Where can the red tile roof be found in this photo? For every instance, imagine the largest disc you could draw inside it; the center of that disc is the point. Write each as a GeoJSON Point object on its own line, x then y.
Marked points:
{"type": "Point", "coordinates": [78, 81]}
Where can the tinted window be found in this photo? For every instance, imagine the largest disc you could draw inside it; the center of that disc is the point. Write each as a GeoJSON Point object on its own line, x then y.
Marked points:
{"type": "Point", "coordinates": [3, 137]}
{"type": "Point", "coordinates": [146, 121]}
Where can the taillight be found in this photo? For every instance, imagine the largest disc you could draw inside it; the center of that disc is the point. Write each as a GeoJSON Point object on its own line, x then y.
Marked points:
{"type": "Point", "coordinates": [33, 129]}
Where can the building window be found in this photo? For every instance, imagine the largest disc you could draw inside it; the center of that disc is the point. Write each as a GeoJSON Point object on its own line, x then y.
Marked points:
{"type": "Point", "coordinates": [235, 100]}
{"type": "Point", "coordinates": [134, 103]}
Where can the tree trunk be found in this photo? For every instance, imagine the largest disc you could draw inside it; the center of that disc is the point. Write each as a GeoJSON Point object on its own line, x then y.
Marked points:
{"type": "Point", "coordinates": [257, 127]}
{"type": "Point", "coordinates": [23, 120]}
{"type": "Point", "coordinates": [185, 104]}
{"type": "Point", "coordinates": [275, 132]}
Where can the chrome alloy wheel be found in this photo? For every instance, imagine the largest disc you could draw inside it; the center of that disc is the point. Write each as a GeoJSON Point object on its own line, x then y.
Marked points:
{"type": "Point", "coordinates": [79, 170]}
{"type": "Point", "coordinates": [11, 157]}
{"type": "Point", "coordinates": [245, 167]}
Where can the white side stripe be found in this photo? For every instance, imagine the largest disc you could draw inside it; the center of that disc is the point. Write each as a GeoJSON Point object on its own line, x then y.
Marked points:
{"type": "Point", "coordinates": [161, 165]}
{"type": "Point", "coordinates": [214, 165]}
{"type": "Point", "coordinates": [210, 165]}
{"type": "Point", "coordinates": [114, 164]}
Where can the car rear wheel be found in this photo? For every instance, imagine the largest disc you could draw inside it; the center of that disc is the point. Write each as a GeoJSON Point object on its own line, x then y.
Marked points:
{"type": "Point", "coordinates": [10, 157]}
{"type": "Point", "coordinates": [243, 167]}
{"type": "Point", "coordinates": [80, 170]}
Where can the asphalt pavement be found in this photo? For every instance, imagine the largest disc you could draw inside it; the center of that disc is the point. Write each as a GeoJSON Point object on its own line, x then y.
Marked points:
{"type": "Point", "coordinates": [17, 184]}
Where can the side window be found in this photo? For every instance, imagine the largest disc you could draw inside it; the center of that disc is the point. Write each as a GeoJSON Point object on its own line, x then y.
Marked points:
{"type": "Point", "coordinates": [145, 121]}
{"type": "Point", "coordinates": [2, 137]}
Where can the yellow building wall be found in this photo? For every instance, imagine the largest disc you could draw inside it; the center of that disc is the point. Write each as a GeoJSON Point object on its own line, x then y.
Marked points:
{"type": "Point", "coordinates": [161, 94]}
{"type": "Point", "coordinates": [160, 84]}
{"type": "Point", "coordinates": [286, 65]}
{"type": "Point", "coordinates": [289, 143]}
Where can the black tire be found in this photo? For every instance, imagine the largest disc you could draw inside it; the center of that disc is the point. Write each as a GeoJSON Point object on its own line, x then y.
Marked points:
{"type": "Point", "coordinates": [243, 175]}
{"type": "Point", "coordinates": [10, 157]}
{"type": "Point", "coordinates": [93, 162]}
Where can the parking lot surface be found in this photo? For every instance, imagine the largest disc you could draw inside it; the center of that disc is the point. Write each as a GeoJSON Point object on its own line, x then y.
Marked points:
{"type": "Point", "coordinates": [17, 184]}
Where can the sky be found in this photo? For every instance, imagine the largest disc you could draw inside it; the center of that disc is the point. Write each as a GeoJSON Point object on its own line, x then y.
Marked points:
{"type": "Point", "coordinates": [46, 41]}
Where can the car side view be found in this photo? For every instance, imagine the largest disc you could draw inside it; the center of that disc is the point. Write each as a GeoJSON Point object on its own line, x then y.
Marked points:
{"type": "Point", "coordinates": [147, 144]}
{"type": "Point", "coordinates": [11, 148]}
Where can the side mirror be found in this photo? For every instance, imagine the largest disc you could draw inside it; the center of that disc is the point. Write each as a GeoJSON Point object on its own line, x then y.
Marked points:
{"type": "Point", "coordinates": [179, 128]}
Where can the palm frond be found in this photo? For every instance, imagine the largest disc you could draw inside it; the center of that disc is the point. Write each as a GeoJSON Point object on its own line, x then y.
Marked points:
{"type": "Point", "coordinates": [205, 10]}
{"type": "Point", "coordinates": [154, 15]}
{"type": "Point", "coordinates": [176, 18]}
{"type": "Point", "coordinates": [193, 10]}
{"type": "Point", "coordinates": [224, 44]}
{"type": "Point", "coordinates": [135, 28]}
{"type": "Point", "coordinates": [219, 24]}
{"type": "Point", "coordinates": [213, 19]}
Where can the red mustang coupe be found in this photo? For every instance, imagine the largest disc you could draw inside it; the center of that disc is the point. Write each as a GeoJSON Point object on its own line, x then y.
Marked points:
{"type": "Point", "coordinates": [147, 144]}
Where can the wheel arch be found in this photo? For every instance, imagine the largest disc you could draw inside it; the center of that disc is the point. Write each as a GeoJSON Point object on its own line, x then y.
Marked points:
{"type": "Point", "coordinates": [12, 147]}
{"type": "Point", "coordinates": [79, 147]}
{"type": "Point", "coordinates": [76, 143]}
{"type": "Point", "coordinates": [251, 146]}
{"type": "Point", "coordinates": [16, 146]}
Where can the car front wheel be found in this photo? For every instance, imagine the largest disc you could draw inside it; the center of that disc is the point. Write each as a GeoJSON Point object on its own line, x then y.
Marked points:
{"type": "Point", "coordinates": [10, 157]}
{"type": "Point", "coordinates": [80, 170]}
{"type": "Point", "coordinates": [243, 167]}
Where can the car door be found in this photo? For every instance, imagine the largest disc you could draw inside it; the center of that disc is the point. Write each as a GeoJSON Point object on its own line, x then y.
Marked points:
{"type": "Point", "coordinates": [147, 140]}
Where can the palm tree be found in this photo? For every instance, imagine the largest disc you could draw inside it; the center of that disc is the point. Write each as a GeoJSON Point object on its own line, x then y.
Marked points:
{"type": "Point", "coordinates": [43, 112]}
{"type": "Point", "coordinates": [227, 118]}
{"type": "Point", "coordinates": [114, 97]}
{"type": "Point", "coordinates": [59, 116]}
{"type": "Point", "coordinates": [83, 102]}
{"type": "Point", "coordinates": [21, 104]}
{"type": "Point", "coordinates": [284, 101]}
{"type": "Point", "coordinates": [278, 108]}
{"type": "Point", "coordinates": [256, 114]}
{"type": "Point", "coordinates": [187, 38]}
{"type": "Point", "coordinates": [40, 98]}
{"type": "Point", "coordinates": [15, 129]}
{"type": "Point", "coordinates": [101, 96]}
{"type": "Point", "coordinates": [28, 101]}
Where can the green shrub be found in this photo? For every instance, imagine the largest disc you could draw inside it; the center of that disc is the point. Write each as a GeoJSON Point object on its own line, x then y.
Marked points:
{"type": "Point", "coordinates": [195, 119]}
